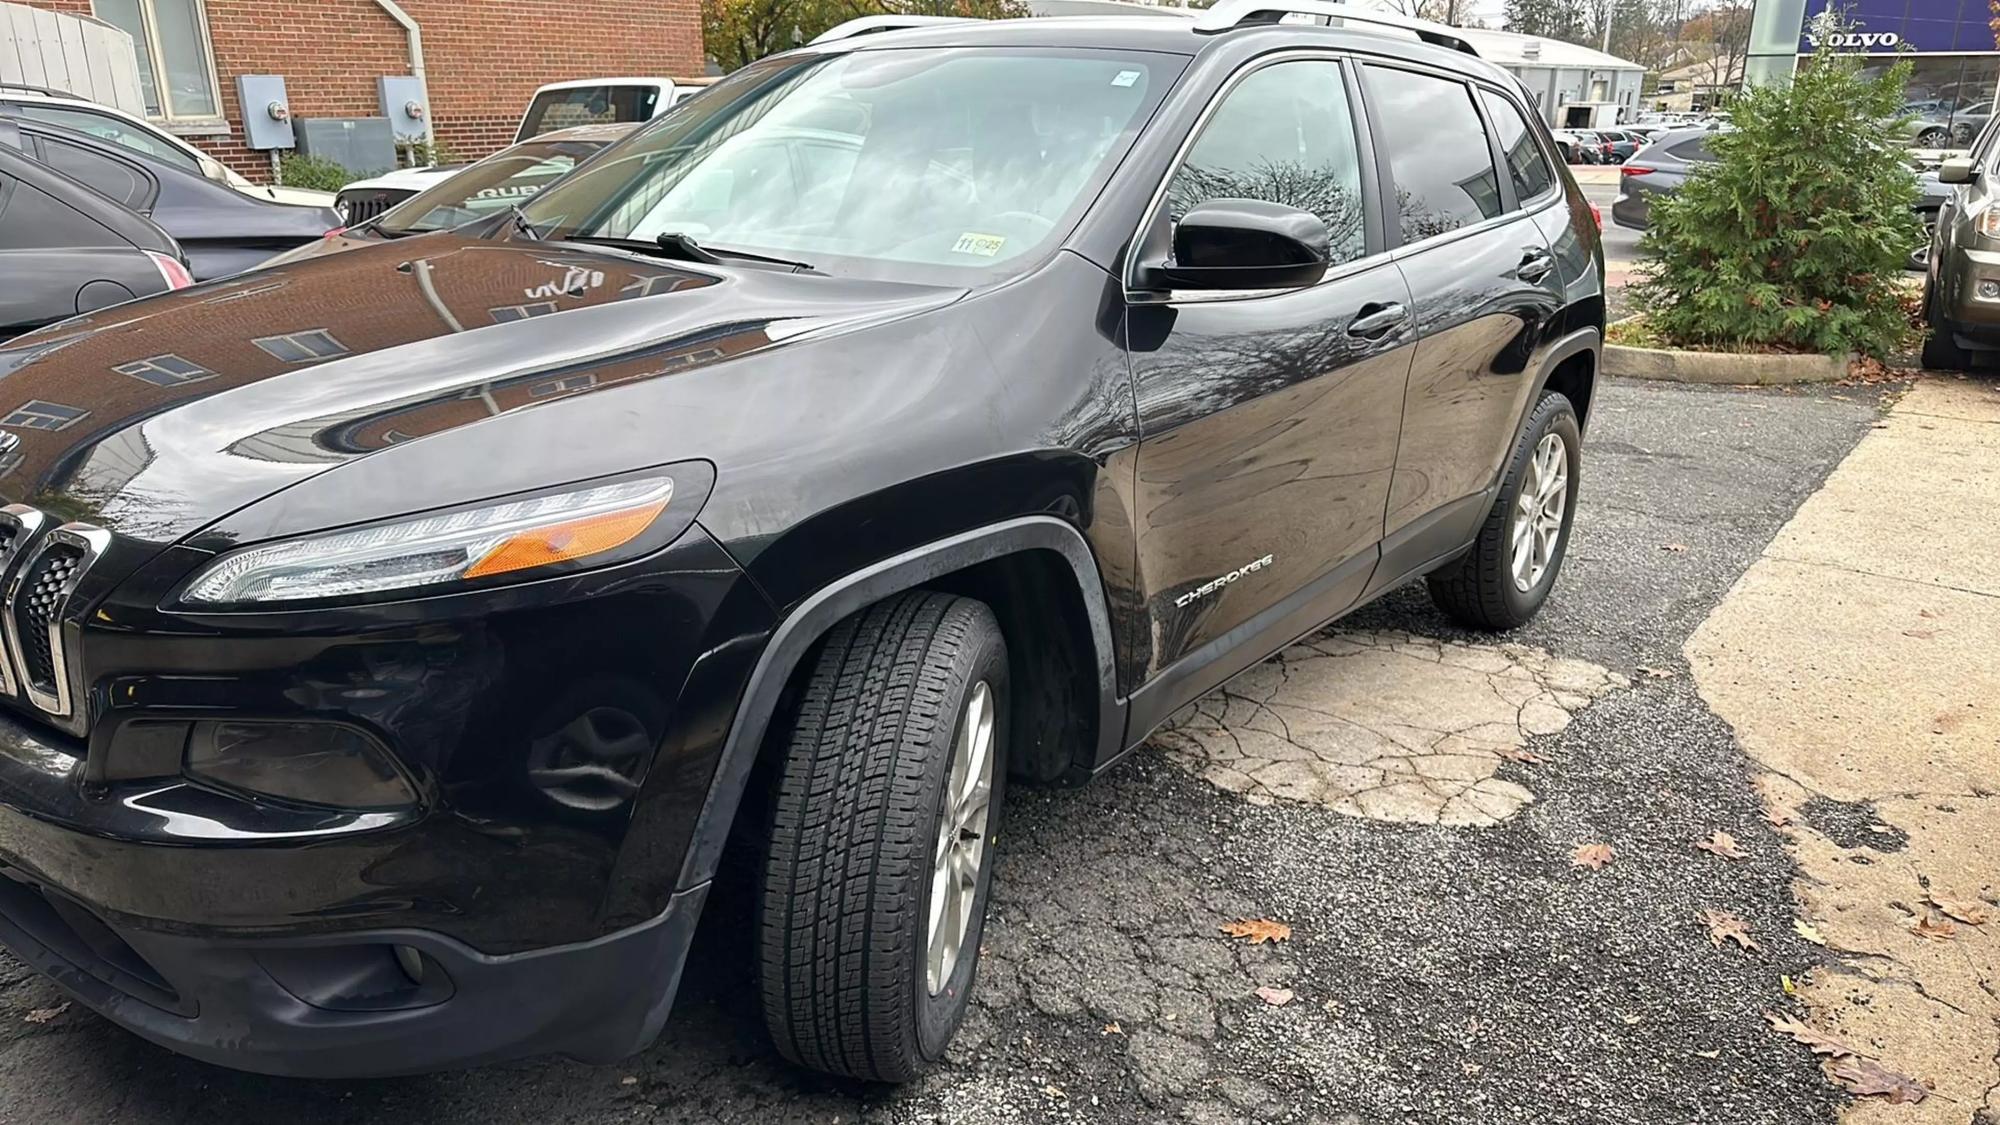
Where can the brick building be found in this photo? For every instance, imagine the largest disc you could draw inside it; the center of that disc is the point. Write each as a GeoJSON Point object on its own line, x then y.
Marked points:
{"type": "Point", "coordinates": [482, 58]}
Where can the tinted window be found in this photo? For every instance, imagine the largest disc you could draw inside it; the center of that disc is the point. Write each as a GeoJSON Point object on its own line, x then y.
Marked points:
{"type": "Point", "coordinates": [1527, 167]}
{"type": "Point", "coordinates": [1284, 135]}
{"type": "Point", "coordinates": [587, 105]}
{"type": "Point", "coordinates": [107, 128]}
{"type": "Point", "coordinates": [1694, 150]}
{"type": "Point", "coordinates": [31, 219]}
{"type": "Point", "coordinates": [113, 179]}
{"type": "Point", "coordinates": [494, 184]}
{"type": "Point", "coordinates": [1437, 152]}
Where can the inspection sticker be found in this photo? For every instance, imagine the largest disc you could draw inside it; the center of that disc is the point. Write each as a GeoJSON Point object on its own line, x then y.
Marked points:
{"type": "Point", "coordinates": [984, 245]}
{"type": "Point", "coordinates": [1125, 78]}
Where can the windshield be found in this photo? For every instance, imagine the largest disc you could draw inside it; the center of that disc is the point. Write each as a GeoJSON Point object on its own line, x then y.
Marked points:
{"type": "Point", "coordinates": [587, 105]}
{"type": "Point", "coordinates": [505, 178]}
{"type": "Point", "coordinates": [916, 164]}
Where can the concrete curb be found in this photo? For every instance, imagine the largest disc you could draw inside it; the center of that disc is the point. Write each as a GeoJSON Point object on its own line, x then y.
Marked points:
{"type": "Point", "coordinates": [1594, 173]}
{"type": "Point", "coordinates": [1728, 368]}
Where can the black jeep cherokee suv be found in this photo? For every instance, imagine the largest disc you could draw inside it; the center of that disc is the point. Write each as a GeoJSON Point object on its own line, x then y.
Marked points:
{"type": "Point", "coordinates": [394, 639]}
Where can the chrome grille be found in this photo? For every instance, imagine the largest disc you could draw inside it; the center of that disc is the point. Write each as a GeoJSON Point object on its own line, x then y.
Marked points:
{"type": "Point", "coordinates": [44, 588]}
{"type": "Point", "coordinates": [42, 575]}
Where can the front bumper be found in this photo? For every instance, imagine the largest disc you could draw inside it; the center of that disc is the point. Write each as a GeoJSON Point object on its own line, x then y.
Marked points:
{"type": "Point", "coordinates": [312, 1001]}
{"type": "Point", "coordinates": [1976, 318]}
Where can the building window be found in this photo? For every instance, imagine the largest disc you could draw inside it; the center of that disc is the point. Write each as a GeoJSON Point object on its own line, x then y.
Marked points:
{"type": "Point", "coordinates": [506, 314]}
{"type": "Point", "coordinates": [303, 347]}
{"type": "Point", "coordinates": [567, 384]}
{"type": "Point", "coordinates": [176, 72]}
{"type": "Point", "coordinates": [38, 415]}
{"type": "Point", "coordinates": [165, 371]}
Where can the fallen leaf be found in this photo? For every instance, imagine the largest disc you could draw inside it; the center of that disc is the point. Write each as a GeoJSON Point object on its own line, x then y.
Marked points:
{"type": "Point", "coordinates": [1276, 997]}
{"type": "Point", "coordinates": [1055, 1092]}
{"type": "Point", "coordinates": [1521, 754]}
{"type": "Point", "coordinates": [1819, 1042]}
{"type": "Point", "coordinates": [44, 1015]}
{"type": "Point", "coordinates": [1925, 613]}
{"type": "Point", "coordinates": [1724, 926]}
{"type": "Point", "coordinates": [1470, 1069]}
{"type": "Point", "coordinates": [1629, 1018]}
{"type": "Point", "coordinates": [1785, 982]}
{"type": "Point", "coordinates": [1808, 931]}
{"type": "Point", "coordinates": [1715, 1054]}
{"type": "Point", "coordinates": [1723, 844]}
{"type": "Point", "coordinates": [1258, 930]}
{"type": "Point", "coordinates": [629, 1080]}
{"type": "Point", "coordinates": [1970, 912]}
{"type": "Point", "coordinates": [1935, 931]}
{"type": "Point", "coordinates": [1777, 818]}
{"type": "Point", "coordinates": [1673, 548]}
{"type": "Point", "coordinates": [1868, 1078]}
{"type": "Point", "coordinates": [1920, 634]}
{"type": "Point", "coordinates": [1656, 673]}
{"type": "Point", "coordinates": [1113, 1029]}
{"type": "Point", "coordinates": [1592, 856]}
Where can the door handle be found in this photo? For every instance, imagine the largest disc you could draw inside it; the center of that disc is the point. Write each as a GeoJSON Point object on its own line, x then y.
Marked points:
{"type": "Point", "coordinates": [1376, 321]}
{"type": "Point", "coordinates": [1535, 265]}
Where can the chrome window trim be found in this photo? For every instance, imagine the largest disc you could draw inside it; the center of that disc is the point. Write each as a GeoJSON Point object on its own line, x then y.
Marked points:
{"type": "Point", "coordinates": [28, 523]}
{"type": "Point", "coordinates": [91, 541]}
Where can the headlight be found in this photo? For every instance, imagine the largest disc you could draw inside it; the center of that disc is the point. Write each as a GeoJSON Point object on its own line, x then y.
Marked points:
{"type": "Point", "coordinates": [1989, 222]}
{"type": "Point", "coordinates": [470, 543]}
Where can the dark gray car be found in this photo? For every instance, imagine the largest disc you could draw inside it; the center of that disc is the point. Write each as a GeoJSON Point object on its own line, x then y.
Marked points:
{"type": "Point", "coordinates": [221, 230]}
{"type": "Point", "coordinates": [66, 250]}
{"type": "Point", "coordinates": [1664, 165]}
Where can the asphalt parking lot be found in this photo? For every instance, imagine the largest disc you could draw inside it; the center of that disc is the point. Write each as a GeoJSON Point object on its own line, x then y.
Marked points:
{"type": "Point", "coordinates": [1448, 962]}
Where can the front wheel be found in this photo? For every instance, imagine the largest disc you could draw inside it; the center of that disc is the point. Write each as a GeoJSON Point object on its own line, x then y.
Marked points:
{"type": "Point", "coordinates": [880, 858]}
{"type": "Point", "coordinates": [1504, 579]}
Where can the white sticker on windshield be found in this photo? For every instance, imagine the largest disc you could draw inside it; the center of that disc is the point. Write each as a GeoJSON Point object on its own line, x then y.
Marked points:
{"type": "Point", "coordinates": [1125, 78]}
{"type": "Point", "coordinates": [984, 245]}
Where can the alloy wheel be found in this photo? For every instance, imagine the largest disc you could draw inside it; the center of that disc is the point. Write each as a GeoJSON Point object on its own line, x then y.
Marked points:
{"type": "Point", "coordinates": [1538, 512]}
{"type": "Point", "coordinates": [959, 853]}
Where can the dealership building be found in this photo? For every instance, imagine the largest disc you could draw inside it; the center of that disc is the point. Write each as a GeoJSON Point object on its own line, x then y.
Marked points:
{"type": "Point", "coordinates": [479, 61]}
{"type": "Point", "coordinates": [1949, 43]}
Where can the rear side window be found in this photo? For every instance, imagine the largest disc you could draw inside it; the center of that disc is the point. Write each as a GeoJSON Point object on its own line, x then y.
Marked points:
{"type": "Point", "coordinates": [1283, 135]}
{"type": "Point", "coordinates": [113, 179]}
{"type": "Point", "coordinates": [1526, 165]}
{"type": "Point", "coordinates": [1693, 150]}
{"type": "Point", "coordinates": [587, 105]}
{"type": "Point", "coordinates": [31, 219]}
{"type": "Point", "coordinates": [1437, 152]}
{"type": "Point", "coordinates": [107, 128]}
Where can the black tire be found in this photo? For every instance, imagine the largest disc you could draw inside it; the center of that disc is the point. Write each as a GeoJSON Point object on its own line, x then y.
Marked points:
{"type": "Point", "coordinates": [1941, 351]}
{"type": "Point", "coordinates": [1478, 589]}
{"type": "Point", "coordinates": [844, 912]}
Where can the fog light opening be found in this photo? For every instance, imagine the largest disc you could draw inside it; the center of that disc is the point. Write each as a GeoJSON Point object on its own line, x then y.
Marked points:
{"type": "Point", "coordinates": [412, 963]}
{"type": "Point", "coordinates": [1989, 290]}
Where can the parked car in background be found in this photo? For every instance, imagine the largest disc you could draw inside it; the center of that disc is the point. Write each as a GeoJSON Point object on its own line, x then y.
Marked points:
{"type": "Point", "coordinates": [1578, 147]}
{"type": "Point", "coordinates": [108, 123]}
{"type": "Point", "coordinates": [1961, 300]}
{"type": "Point", "coordinates": [915, 411]}
{"type": "Point", "coordinates": [474, 191]}
{"type": "Point", "coordinates": [1624, 143]}
{"type": "Point", "coordinates": [1663, 166]}
{"type": "Point", "coordinates": [221, 230]}
{"type": "Point", "coordinates": [468, 191]}
{"type": "Point", "coordinates": [66, 250]}
{"type": "Point", "coordinates": [604, 101]}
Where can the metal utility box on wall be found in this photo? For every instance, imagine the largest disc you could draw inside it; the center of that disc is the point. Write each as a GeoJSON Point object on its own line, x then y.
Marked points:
{"type": "Point", "coordinates": [267, 115]}
{"type": "Point", "coordinates": [358, 144]}
{"type": "Point", "coordinates": [406, 104]}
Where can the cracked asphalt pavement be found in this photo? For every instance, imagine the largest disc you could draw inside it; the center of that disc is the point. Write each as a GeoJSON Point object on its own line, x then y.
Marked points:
{"type": "Point", "coordinates": [1448, 963]}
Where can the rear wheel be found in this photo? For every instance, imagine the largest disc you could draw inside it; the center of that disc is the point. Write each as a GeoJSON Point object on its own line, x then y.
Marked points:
{"type": "Point", "coordinates": [880, 857]}
{"type": "Point", "coordinates": [1504, 579]}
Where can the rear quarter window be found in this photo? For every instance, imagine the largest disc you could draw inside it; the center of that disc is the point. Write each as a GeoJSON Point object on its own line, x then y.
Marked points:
{"type": "Point", "coordinates": [1694, 150]}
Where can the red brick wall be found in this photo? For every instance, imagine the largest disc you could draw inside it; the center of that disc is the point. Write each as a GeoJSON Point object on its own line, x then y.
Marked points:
{"type": "Point", "coordinates": [483, 57]}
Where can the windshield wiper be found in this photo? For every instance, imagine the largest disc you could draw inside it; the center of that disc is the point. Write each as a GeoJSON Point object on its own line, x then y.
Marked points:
{"type": "Point", "coordinates": [684, 247]}
{"type": "Point", "coordinates": [521, 222]}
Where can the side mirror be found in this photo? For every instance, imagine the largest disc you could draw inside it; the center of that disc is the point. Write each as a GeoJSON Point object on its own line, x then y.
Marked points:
{"type": "Point", "coordinates": [1243, 244]}
{"type": "Point", "coordinates": [1957, 170]}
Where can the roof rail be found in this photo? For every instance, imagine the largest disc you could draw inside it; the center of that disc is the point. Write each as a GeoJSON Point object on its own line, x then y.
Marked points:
{"type": "Point", "coordinates": [71, 95]}
{"type": "Point", "coordinates": [1230, 14]}
{"type": "Point", "coordinates": [869, 25]}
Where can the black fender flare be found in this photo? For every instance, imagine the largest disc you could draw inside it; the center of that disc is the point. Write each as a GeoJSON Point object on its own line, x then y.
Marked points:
{"type": "Point", "coordinates": [1564, 349]}
{"type": "Point", "coordinates": [795, 635]}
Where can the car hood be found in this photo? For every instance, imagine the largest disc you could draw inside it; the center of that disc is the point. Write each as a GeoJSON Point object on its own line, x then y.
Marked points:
{"type": "Point", "coordinates": [158, 417]}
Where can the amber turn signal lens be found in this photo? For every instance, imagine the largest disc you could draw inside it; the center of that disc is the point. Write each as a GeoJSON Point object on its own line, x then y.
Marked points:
{"type": "Point", "coordinates": [562, 542]}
